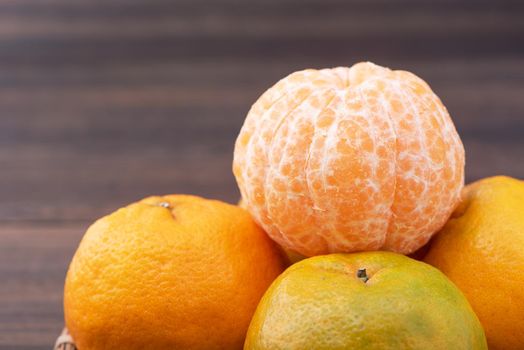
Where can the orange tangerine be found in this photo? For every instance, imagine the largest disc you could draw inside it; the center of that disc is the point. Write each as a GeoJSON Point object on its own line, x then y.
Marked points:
{"type": "Point", "coordinates": [349, 159]}
{"type": "Point", "coordinates": [169, 272]}
{"type": "Point", "coordinates": [481, 249]}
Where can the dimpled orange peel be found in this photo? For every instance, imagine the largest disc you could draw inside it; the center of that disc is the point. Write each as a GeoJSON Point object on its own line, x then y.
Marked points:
{"type": "Point", "coordinates": [349, 159]}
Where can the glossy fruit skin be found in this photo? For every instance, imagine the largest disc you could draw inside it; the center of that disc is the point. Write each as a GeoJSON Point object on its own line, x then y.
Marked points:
{"type": "Point", "coordinates": [349, 159]}
{"type": "Point", "coordinates": [481, 249]}
{"type": "Point", "coordinates": [320, 303]}
{"type": "Point", "coordinates": [187, 276]}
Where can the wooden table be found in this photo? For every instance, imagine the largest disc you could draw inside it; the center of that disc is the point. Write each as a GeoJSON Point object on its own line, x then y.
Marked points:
{"type": "Point", "coordinates": [103, 103]}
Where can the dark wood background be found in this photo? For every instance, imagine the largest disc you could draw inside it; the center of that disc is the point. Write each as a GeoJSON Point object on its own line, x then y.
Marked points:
{"type": "Point", "coordinates": [105, 102]}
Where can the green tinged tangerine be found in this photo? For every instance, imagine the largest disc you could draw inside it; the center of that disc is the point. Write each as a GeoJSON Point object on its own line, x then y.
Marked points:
{"type": "Point", "coordinates": [372, 301]}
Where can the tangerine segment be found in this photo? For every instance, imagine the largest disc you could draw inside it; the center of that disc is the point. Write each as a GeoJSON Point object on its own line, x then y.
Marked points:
{"type": "Point", "coordinates": [349, 159]}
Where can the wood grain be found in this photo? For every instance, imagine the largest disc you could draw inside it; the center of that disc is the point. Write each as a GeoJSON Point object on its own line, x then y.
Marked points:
{"type": "Point", "coordinates": [33, 262]}
{"type": "Point", "coordinates": [103, 103]}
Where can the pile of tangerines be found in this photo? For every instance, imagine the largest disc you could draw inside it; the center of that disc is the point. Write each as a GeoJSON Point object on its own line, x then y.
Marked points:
{"type": "Point", "coordinates": [354, 231]}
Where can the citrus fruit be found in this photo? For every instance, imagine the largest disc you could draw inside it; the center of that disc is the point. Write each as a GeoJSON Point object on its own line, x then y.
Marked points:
{"type": "Point", "coordinates": [349, 159]}
{"type": "Point", "coordinates": [370, 300]}
{"type": "Point", "coordinates": [481, 249]}
{"type": "Point", "coordinates": [172, 272]}
{"type": "Point", "coordinates": [291, 255]}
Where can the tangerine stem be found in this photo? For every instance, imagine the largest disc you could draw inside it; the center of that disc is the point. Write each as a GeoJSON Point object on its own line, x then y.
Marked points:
{"type": "Point", "coordinates": [362, 275]}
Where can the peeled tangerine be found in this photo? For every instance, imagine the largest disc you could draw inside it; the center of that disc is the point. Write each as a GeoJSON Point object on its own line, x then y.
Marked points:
{"type": "Point", "coordinates": [349, 159]}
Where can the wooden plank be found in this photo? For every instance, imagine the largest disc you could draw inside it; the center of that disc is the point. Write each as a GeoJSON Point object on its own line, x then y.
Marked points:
{"type": "Point", "coordinates": [59, 32]}
{"type": "Point", "coordinates": [72, 189]}
{"type": "Point", "coordinates": [92, 140]}
{"type": "Point", "coordinates": [33, 264]}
